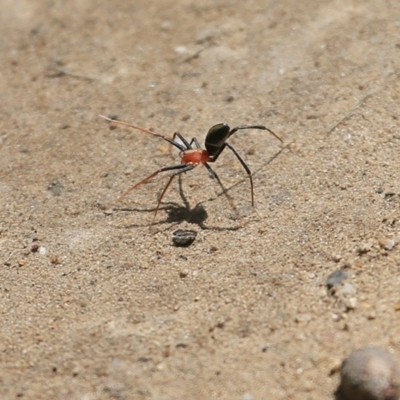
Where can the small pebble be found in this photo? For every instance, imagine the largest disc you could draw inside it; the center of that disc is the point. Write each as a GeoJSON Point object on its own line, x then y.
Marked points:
{"type": "Point", "coordinates": [336, 278]}
{"type": "Point", "coordinates": [54, 259]}
{"type": "Point", "coordinates": [350, 303]}
{"type": "Point", "coordinates": [336, 257]}
{"type": "Point", "coordinates": [42, 250]}
{"type": "Point", "coordinates": [34, 248]}
{"type": "Point", "coordinates": [388, 244]}
{"type": "Point", "coordinates": [364, 248]}
{"type": "Point", "coordinates": [348, 289]}
{"type": "Point", "coordinates": [183, 238]}
{"type": "Point", "coordinates": [184, 273]}
{"type": "Point", "coordinates": [55, 188]}
{"type": "Point", "coordinates": [369, 373]}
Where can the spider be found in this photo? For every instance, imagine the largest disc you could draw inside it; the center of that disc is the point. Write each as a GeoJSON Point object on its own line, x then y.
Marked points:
{"type": "Point", "coordinates": [192, 154]}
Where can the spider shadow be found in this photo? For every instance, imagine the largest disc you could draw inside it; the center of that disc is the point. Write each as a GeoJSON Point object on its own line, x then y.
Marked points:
{"type": "Point", "coordinates": [178, 213]}
{"type": "Point", "coordinates": [197, 214]}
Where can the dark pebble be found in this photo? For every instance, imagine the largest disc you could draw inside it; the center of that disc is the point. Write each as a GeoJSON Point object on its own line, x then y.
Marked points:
{"type": "Point", "coordinates": [183, 238]}
{"type": "Point", "coordinates": [336, 278]}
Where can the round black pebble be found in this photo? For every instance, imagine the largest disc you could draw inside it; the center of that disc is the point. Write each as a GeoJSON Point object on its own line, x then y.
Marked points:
{"type": "Point", "coordinates": [183, 238]}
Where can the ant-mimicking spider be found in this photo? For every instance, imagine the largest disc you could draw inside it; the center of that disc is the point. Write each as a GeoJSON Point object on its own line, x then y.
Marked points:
{"type": "Point", "coordinates": [191, 157]}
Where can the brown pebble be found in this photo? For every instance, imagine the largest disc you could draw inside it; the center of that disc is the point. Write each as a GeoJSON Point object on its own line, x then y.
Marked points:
{"type": "Point", "coordinates": [34, 248]}
{"type": "Point", "coordinates": [184, 273]}
{"type": "Point", "coordinates": [54, 260]}
{"type": "Point", "coordinates": [369, 373]}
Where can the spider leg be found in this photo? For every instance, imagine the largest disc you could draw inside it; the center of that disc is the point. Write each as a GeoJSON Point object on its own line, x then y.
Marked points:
{"type": "Point", "coordinates": [214, 175]}
{"type": "Point", "coordinates": [184, 168]}
{"type": "Point", "coordinates": [179, 166]}
{"type": "Point", "coordinates": [139, 128]}
{"type": "Point", "coordinates": [182, 139]}
{"type": "Point", "coordinates": [196, 142]}
{"type": "Point", "coordinates": [247, 169]}
{"type": "Point", "coordinates": [185, 145]}
{"type": "Point", "coordinates": [262, 127]}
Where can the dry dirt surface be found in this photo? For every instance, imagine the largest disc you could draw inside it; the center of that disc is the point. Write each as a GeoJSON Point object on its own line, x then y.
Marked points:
{"type": "Point", "coordinates": [98, 303]}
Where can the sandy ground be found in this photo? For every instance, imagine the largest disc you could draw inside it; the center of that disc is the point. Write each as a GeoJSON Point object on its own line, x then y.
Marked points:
{"type": "Point", "coordinates": [98, 304]}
